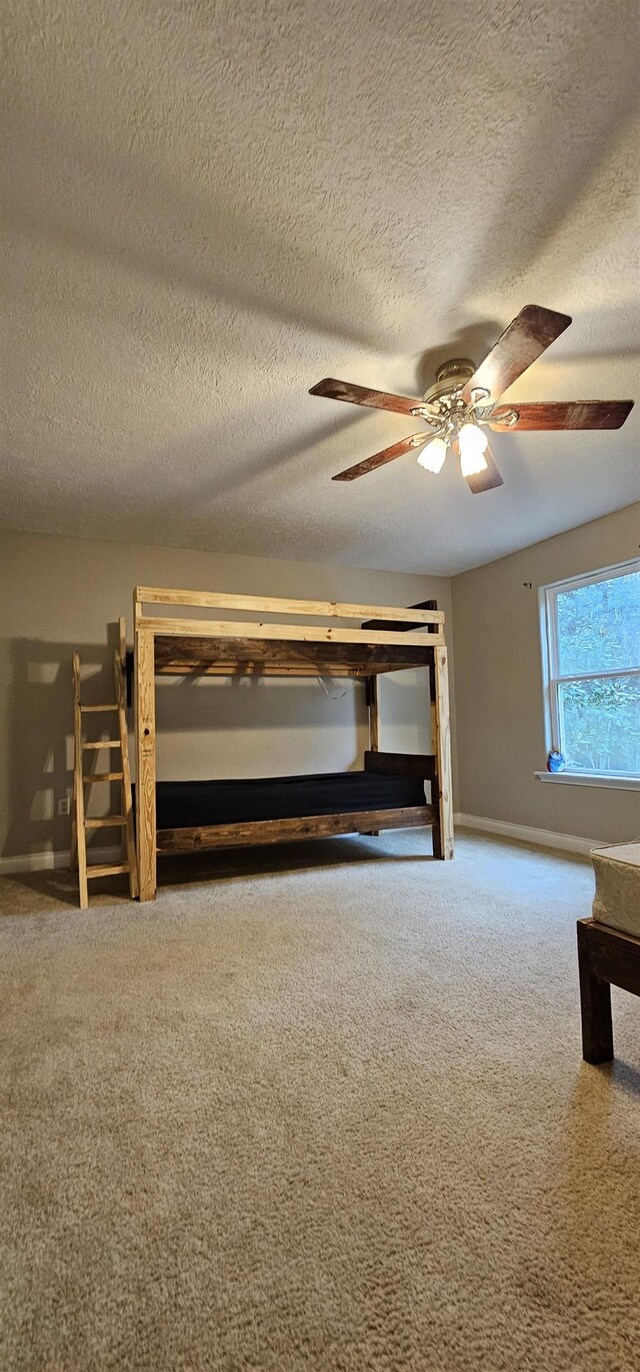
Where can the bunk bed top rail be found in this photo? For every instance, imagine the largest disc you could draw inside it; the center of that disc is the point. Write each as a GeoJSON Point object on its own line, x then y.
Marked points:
{"type": "Point", "coordinates": [323, 609]}
{"type": "Point", "coordinates": [404, 638]}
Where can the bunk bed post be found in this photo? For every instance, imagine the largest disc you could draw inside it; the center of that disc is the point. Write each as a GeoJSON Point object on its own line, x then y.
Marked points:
{"type": "Point", "coordinates": [145, 754]}
{"type": "Point", "coordinates": [371, 686]}
{"type": "Point", "coordinates": [374, 717]}
{"type": "Point", "coordinates": [120, 667]}
{"type": "Point", "coordinates": [443, 832]}
{"type": "Point", "coordinates": [436, 830]}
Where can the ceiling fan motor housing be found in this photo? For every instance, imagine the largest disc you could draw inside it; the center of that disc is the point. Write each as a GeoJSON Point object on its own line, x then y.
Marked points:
{"type": "Point", "coordinates": [443, 404]}
{"type": "Point", "coordinates": [450, 377]}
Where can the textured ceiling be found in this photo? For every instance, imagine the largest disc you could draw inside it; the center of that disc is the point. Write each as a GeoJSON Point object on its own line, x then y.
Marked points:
{"type": "Point", "coordinates": [210, 206]}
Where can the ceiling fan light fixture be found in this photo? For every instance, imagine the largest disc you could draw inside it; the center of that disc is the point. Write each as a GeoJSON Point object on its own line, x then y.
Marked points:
{"type": "Point", "coordinates": [464, 398]}
{"type": "Point", "coordinates": [432, 456]}
{"type": "Point", "coordinates": [473, 444]}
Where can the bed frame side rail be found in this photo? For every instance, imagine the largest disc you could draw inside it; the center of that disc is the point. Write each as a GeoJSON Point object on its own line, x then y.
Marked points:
{"type": "Point", "coordinates": [260, 831]}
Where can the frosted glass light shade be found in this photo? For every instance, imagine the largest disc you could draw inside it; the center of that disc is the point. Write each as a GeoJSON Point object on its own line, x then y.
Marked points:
{"type": "Point", "coordinates": [473, 443]}
{"type": "Point", "coordinates": [432, 456]}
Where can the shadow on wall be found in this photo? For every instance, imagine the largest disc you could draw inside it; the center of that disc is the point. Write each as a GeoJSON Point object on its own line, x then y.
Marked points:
{"type": "Point", "coordinates": [40, 762]}
{"type": "Point", "coordinates": [40, 726]}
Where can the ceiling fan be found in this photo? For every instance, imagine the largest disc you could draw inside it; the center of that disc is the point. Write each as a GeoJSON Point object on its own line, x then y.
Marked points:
{"type": "Point", "coordinates": [465, 397]}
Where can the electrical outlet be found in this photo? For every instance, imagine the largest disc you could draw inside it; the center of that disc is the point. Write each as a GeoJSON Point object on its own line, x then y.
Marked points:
{"type": "Point", "coordinates": [63, 806]}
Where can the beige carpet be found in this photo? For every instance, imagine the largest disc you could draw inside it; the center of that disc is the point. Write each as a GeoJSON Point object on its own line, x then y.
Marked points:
{"type": "Point", "coordinates": [327, 1116]}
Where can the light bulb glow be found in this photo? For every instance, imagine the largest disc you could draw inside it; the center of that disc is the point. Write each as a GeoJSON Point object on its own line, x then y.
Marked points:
{"type": "Point", "coordinates": [473, 443]}
{"type": "Point", "coordinates": [432, 455]}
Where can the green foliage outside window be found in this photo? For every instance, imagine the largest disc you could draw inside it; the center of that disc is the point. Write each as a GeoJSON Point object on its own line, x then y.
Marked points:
{"type": "Point", "coordinates": [598, 630]}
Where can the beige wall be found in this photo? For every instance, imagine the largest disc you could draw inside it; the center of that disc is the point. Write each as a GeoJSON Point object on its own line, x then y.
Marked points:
{"type": "Point", "coordinates": [59, 594]}
{"type": "Point", "coordinates": [499, 703]}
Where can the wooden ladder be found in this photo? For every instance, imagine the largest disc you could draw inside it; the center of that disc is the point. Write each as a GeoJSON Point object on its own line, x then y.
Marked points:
{"type": "Point", "coordinates": [124, 820]}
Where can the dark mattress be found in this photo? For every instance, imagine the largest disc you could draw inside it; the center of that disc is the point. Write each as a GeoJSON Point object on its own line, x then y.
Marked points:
{"type": "Point", "coordinates": [188, 804]}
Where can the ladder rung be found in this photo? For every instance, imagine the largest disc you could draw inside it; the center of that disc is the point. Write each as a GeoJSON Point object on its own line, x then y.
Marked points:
{"type": "Point", "coordinates": [107, 822]}
{"type": "Point", "coordinates": [96, 709]}
{"type": "Point", "coordinates": [103, 776]}
{"type": "Point", "coordinates": [104, 743]}
{"type": "Point", "coordinates": [108, 871]}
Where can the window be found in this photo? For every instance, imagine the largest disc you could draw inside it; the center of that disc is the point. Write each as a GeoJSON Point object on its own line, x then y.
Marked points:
{"type": "Point", "coordinates": [591, 647]}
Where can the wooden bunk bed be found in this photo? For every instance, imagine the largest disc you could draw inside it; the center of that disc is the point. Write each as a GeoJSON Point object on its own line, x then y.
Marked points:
{"type": "Point", "coordinates": [390, 791]}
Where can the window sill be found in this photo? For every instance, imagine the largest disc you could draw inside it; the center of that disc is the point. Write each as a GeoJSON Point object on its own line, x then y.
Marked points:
{"type": "Point", "coordinates": [619, 783]}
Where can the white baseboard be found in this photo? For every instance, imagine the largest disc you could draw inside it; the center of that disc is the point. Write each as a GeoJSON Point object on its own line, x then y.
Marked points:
{"type": "Point", "coordinates": [544, 838]}
{"type": "Point", "coordinates": [46, 861]}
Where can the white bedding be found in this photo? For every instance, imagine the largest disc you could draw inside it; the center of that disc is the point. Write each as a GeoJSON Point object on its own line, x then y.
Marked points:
{"type": "Point", "coordinates": [617, 898]}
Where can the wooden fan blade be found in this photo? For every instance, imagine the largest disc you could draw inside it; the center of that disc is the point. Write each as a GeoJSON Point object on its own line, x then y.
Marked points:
{"type": "Point", "coordinates": [387, 455]}
{"type": "Point", "coordinates": [564, 414]}
{"type": "Point", "coordinates": [527, 336]}
{"type": "Point", "coordinates": [361, 395]}
{"type": "Point", "coordinates": [486, 480]}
